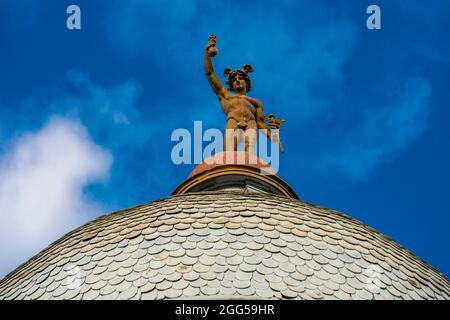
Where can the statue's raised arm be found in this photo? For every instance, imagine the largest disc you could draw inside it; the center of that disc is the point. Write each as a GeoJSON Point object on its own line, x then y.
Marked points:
{"type": "Point", "coordinates": [211, 51]}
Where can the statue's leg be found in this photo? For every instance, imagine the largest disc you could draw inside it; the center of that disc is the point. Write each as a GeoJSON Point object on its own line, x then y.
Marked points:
{"type": "Point", "coordinates": [250, 137]}
{"type": "Point", "coordinates": [230, 143]}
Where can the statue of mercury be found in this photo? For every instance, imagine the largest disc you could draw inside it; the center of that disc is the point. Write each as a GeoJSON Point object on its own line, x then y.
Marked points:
{"type": "Point", "coordinates": [244, 114]}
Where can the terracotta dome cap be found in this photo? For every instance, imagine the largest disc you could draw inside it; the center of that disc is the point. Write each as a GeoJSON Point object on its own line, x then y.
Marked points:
{"type": "Point", "coordinates": [232, 158]}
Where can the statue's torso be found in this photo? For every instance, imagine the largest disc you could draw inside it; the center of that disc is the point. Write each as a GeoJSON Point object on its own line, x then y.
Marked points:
{"type": "Point", "coordinates": [239, 107]}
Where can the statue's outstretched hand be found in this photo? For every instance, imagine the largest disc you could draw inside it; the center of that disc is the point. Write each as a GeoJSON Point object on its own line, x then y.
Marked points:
{"type": "Point", "coordinates": [211, 46]}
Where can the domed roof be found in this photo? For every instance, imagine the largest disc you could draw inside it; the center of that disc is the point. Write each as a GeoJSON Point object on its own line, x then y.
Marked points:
{"type": "Point", "coordinates": [225, 244]}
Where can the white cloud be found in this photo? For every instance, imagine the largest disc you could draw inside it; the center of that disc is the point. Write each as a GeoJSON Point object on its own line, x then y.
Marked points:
{"type": "Point", "coordinates": [41, 188]}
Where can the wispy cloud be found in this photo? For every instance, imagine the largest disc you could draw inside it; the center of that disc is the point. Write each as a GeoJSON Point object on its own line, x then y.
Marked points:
{"type": "Point", "coordinates": [299, 74]}
{"type": "Point", "coordinates": [382, 132]}
{"type": "Point", "coordinates": [298, 66]}
{"type": "Point", "coordinates": [42, 178]}
{"type": "Point", "coordinates": [117, 121]}
{"type": "Point", "coordinates": [110, 112]}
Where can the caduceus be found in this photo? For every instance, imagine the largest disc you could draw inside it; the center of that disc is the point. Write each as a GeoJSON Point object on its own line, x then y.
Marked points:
{"type": "Point", "coordinates": [276, 125]}
{"type": "Point", "coordinates": [244, 113]}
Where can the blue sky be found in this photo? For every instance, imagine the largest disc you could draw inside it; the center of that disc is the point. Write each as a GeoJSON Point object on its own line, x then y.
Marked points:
{"type": "Point", "coordinates": [86, 115]}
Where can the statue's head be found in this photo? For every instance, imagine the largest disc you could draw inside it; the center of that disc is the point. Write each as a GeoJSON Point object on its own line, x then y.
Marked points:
{"type": "Point", "coordinates": [239, 80]}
